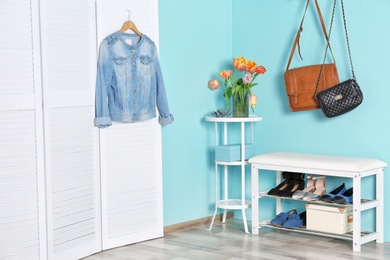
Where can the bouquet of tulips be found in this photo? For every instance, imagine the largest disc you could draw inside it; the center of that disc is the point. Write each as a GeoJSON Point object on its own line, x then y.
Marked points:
{"type": "Point", "coordinates": [242, 82]}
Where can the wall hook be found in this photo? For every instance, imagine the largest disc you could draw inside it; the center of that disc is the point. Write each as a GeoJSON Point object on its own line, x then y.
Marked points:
{"type": "Point", "coordinates": [128, 14]}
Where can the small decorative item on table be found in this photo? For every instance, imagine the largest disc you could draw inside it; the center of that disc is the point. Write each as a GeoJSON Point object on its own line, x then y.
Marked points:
{"type": "Point", "coordinates": [221, 113]}
{"type": "Point", "coordinates": [240, 86]}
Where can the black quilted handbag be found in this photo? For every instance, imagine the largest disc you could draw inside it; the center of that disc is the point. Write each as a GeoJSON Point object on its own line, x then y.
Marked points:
{"type": "Point", "coordinates": [345, 96]}
{"type": "Point", "coordinates": [340, 99]}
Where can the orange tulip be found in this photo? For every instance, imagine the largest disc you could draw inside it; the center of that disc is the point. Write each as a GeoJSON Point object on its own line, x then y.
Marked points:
{"type": "Point", "coordinates": [213, 84]}
{"type": "Point", "coordinates": [260, 70]}
{"type": "Point", "coordinates": [239, 63]}
{"type": "Point", "coordinates": [225, 74]}
{"type": "Point", "coordinates": [251, 66]}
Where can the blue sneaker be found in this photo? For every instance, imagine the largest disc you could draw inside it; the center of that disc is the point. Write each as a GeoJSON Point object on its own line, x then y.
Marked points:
{"type": "Point", "coordinates": [346, 197]}
{"type": "Point", "coordinates": [282, 217]}
{"type": "Point", "coordinates": [296, 220]}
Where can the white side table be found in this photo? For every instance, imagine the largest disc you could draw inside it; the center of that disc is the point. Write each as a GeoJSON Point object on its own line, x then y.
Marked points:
{"type": "Point", "coordinates": [228, 203]}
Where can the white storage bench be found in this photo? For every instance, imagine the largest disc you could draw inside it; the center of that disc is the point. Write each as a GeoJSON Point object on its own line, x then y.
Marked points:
{"type": "Point", "coordinates": [337, 166]}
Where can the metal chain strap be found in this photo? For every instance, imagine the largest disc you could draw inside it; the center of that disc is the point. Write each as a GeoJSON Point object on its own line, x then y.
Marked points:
{"type": "Point", "coordinates": [326, 49]}
{"type": "Point", "coordinates": [346, 36]}
{"type": "Point", "coordinates": [327, 46]}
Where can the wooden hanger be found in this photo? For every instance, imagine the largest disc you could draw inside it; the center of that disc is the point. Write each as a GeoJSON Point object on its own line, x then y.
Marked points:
{"type": "Point", "coordinates": [130, 25]}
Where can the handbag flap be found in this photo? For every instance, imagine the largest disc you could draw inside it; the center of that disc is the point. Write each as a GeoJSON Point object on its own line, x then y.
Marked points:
{"type": "Point", "coordinates": [342, 92]}
{"type": "Point", "coordinates": [304, 80]}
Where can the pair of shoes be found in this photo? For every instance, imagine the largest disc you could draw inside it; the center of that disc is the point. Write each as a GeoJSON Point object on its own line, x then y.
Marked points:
{"type": "Point", "coordinates": [328, 197]}
{"type": "Point", "coordinates": [293, 181]}
{"type": "Point", "coordinates": [282, 217]}
{"type": "Point", "coordinates": [320, 189]}
{"type": "Point", "coordinates": [346, 197]}
{"type": "Point", "coordinates": [309, 188]}
{"type": "Point", "coordinates": [296, 221]}
{"type": "Point", "coordinates": [290, 219]}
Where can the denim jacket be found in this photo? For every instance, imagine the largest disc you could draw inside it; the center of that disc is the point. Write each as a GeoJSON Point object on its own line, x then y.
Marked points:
{"type": "Point", "coordinates": [129, 82]}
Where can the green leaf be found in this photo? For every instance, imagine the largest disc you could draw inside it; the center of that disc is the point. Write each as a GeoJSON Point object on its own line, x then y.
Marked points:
{"type": "Point", "coordinates": [228, 95]}
{"type": "Point", "coordinates": [234, 82]}
{"type": "Point", "coordinates": [240, 82]}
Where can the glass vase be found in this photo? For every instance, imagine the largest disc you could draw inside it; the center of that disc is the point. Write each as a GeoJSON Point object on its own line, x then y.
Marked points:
{"type": "Point", "coordinates": [240, 107]}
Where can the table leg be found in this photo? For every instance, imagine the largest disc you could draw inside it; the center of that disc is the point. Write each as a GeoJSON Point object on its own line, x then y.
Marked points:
{"type": "Point", "coordinates": [255, 200]}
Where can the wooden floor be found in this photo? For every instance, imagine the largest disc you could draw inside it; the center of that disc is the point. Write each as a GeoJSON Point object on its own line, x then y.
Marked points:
{"type": "Point", "coordinates": [228, 241]}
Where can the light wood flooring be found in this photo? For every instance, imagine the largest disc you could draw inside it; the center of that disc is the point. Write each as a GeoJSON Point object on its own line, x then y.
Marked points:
{"type": "Point", "coordinates": [228, 241]}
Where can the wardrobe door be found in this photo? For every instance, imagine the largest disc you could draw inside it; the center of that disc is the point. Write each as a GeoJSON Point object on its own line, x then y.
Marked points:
{"type": "Point", "coordinates": [22, 197]}
{"type": "Point", "coordinates": [71, 141]}
{"type": "Point", "coordinates": [131, 152]}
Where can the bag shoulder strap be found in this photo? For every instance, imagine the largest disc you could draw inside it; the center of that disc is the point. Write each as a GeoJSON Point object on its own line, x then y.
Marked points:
{"type": "Point", "coordinates": [346, 37]}
{"type": "Point", "coordinates": [326, 49]}
{"type": "Point", "coordinates": [296, 41]}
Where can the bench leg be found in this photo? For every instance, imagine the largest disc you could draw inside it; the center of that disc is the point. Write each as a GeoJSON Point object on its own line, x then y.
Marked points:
{"type": "Point", "coordinates": [379, 209]}
{"type": "Point", "coordinates": [356, 213]}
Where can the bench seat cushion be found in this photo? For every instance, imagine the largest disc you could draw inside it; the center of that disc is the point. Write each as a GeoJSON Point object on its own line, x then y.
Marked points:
{"type": "Point", "coordinates": [320, 162]}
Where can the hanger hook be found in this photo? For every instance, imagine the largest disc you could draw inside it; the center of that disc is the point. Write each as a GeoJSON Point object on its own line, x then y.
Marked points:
{"type": "Point", "coordinates": [128, 14]}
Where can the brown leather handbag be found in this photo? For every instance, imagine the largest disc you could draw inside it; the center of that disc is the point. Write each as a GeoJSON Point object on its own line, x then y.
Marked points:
{"type": "Point", "coordinates": [301, 83]}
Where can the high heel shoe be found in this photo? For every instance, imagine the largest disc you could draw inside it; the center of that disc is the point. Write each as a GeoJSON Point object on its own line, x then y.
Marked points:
{"type": "Point", "coordinates": [346, 197]}
{"type": "Point", "coordinates": [297, 183]}
{"type": "Point", "coordinates": [328, 197]}
{"type": "Point", "coordinates": [320, 190]}
{"type": "Point", "coordinates": [309, 188]}
{"type": "Point", "coordinates": [287, 178]}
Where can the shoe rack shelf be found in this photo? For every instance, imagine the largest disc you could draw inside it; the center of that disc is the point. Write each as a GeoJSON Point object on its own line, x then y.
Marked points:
{"type": "Point", "coordinates": [227, 203]}
{"type": "Point", "coordinates": [363, 201]}
{"type": "Point", "coordinates": [347, 236]}
{"type": "Point", "coordinates": [344, 167]}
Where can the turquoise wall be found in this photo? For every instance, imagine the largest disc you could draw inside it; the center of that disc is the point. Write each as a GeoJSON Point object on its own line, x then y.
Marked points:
{"type": "Point", "coordinates": [199, 38]}
{"type": "Point", "coordinates": [195, 42]}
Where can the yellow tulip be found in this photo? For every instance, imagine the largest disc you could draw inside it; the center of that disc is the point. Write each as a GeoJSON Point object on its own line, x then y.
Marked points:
{"type": "Point", "coordinates": [253, 100]}
{"type": "Point", "coordinates": [239, 63]}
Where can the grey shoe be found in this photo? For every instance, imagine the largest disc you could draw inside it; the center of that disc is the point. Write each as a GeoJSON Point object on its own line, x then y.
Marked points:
{"type": "Point", "coordinates": [299, 194]}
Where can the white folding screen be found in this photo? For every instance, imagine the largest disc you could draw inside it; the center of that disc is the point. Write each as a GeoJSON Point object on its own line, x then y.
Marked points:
{"type": "Point", "coordinates": [71, 141]}
{"type": "Point", "coordinates": [131, 153]}
{"type": "Point", "coordinates": [22, 201]}
{"type": "Point", "coordinates": [68, 190]}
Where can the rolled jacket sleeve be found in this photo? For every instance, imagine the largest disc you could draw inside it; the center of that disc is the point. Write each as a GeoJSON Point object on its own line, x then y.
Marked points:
{"type": "Point", "coordinates": [165, 117]}
{"type": "Point", "coordinates": [103, 83]}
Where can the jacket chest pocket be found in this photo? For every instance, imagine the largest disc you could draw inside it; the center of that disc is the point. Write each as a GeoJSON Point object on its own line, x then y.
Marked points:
{"type": "Point", "coordinates": [146, 64]}
{"type": "Point", "coordinates": [120, 66]}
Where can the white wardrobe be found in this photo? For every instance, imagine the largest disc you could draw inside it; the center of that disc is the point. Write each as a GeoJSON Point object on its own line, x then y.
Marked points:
{"type": "Point", "coordinates": [68, 189]}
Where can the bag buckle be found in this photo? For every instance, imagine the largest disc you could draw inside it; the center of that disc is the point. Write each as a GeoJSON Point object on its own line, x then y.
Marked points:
{"type": "Point", "coordinates": [295, 97]}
